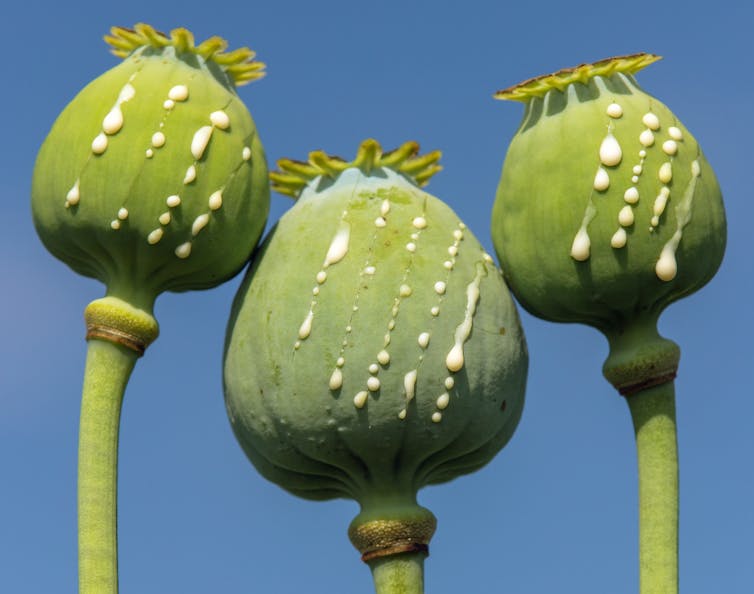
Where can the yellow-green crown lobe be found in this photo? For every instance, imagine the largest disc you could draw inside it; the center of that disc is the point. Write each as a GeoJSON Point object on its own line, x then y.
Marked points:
{"type": "Point", "coordinates": [238, 64]}
{"type": "Point", "coordinates": [540, 85]}
{"type": "Point", "coordinates": [294, 176]}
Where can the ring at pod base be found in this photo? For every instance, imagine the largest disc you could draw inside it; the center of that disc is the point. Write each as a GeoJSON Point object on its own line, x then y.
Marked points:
{"type": "Point", "coordinates": [607, 211]}
{"type": "Point", "coordinates": [373, 348]}
{"type": "Point", "coordinates": [152, 179]}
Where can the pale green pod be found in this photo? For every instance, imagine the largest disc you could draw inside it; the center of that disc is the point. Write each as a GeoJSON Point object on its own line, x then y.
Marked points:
{"type": "Point", "coordinates": [153, 178]}
{"type": "Point", "coordinates": [373, 347]}
{"type": "Point", "coordinates": [607, 208]}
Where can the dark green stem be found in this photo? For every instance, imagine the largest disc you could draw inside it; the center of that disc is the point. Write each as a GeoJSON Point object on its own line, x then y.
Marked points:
{"type": "Point", "coordinates": [399, 574]}
{"type": "Point", "coordinates": [108, 368]}
{"type": "Point", "coordinates": [653, 415]}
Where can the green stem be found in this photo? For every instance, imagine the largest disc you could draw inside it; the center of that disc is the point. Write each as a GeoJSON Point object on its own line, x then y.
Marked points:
{"type": "Point", "coordinates": [117, 333]}
{"type": "Point", "coordinates": [641, 365]}
{"type": "Point", "coordinates": [108, 368]}
{"type": "Point", "coordinates": [653, 415]}
{"type": "Point", "coordinates": [399, 574]}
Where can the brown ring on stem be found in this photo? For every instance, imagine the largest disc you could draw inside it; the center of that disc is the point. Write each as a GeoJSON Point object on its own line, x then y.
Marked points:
{"type": "Point", "coordinates": [116, 321]}
{"type": "Point", "coordinates": [392, 536]}
{"type": "Point", "coordinates": [116, 336]}
{"type": "Point", "coordinates": [409, 547]}
{"type": "Point", "coordinates": [630, 389]}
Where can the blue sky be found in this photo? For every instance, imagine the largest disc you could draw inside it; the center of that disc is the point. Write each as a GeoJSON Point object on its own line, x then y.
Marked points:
{"type": "Point", "coordinates": [556, 511]}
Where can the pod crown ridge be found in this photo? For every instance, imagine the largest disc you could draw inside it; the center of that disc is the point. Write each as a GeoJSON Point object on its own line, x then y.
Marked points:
{"type": "Point", "coordinates": [293, 176]}
{"type": "Point", "coordinates": [238, 64]}
{"type": "Point", "coordinates": [583, 73]}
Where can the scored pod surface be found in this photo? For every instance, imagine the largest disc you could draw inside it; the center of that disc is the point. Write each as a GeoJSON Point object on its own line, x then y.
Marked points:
{"type": "Point", "coordinates": [373, 347]}
{"type": "Point", "coordinates": [606, 206]}
{"type": "Point", "coordinates": [153, 178]}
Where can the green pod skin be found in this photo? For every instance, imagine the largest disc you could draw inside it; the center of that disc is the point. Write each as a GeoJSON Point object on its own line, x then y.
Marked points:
{"type": "Point", "coordinates": [607, 211]}
{"type": "Point", "coordinates": [153, 178]}
{"type": "Point", "coordinates": [373, 347]}
{"type": "Point", "coordinates": [606, 208]}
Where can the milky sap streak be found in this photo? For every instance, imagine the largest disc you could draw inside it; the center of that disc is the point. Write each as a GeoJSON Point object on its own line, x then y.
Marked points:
{"type": "Point", "coordinates": [176, 94]}
{"type": "Point", "coordinates": [111, 125]}
{"type": "Point", "coordinates": [666, 267]}
{"type": "Point", "coordinates": [113, 121]}
{"type": "Point", "coordinates": [440, 288]}
{"type": "Point", "coordinates": [367, 269]}
{"type": "Point", "coordinates": [418, 225]}
{"type": "Point", "coordinates": [335, 253]}
{"type": "Point", "coordinates": [455, 359]}
{"type": "Point", "coordinates": [611, 155]}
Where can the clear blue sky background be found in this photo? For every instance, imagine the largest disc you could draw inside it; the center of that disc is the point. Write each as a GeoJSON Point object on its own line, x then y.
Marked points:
{"type": "Point", "coordinates": [556, 511]}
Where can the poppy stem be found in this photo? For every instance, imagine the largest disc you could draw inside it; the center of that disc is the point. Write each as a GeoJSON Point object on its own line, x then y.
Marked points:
{"type": "Point", "coordinates": [654, 419]}
{"type": "Point", "coordinates": [399, 574]}
{"type": "Point", "coordinates": [117, 335]}
{"type": "Point", "coordinates": [108, 368]}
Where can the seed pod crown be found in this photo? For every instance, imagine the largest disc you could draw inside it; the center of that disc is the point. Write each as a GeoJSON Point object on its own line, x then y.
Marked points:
{"type": "Point", "coordinates": [153, 178]}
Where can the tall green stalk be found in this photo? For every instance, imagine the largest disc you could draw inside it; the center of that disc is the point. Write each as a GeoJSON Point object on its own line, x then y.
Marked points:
{"type": "Point", "coordinates": [642, 366]}
{"type": "Point", "coordinates": [108, 367]}
{"type": "Point", "coordinates": [653, 415]}
{"type": "Point", "coordinates": [117, 334]}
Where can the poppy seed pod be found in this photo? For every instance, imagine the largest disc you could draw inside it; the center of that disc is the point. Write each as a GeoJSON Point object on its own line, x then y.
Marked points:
{"type": "Point", "coordinates": [607, 208]}
{"type": "Point", "coordinates": [153, 178]}
{"type": "Point", "coordinates": [607, 211]}
{"type": "Point", "coordinates": [373, 347]}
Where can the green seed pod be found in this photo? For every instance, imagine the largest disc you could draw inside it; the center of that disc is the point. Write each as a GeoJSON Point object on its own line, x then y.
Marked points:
{"type": "Point", "coordinates": [373, 348]}
{"type": "Point", "coordinates": [153, 178]}
{"type": "Point", "coordinates": [606, 212]}
{"type": "Point", "coordinates": [607, 208]}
